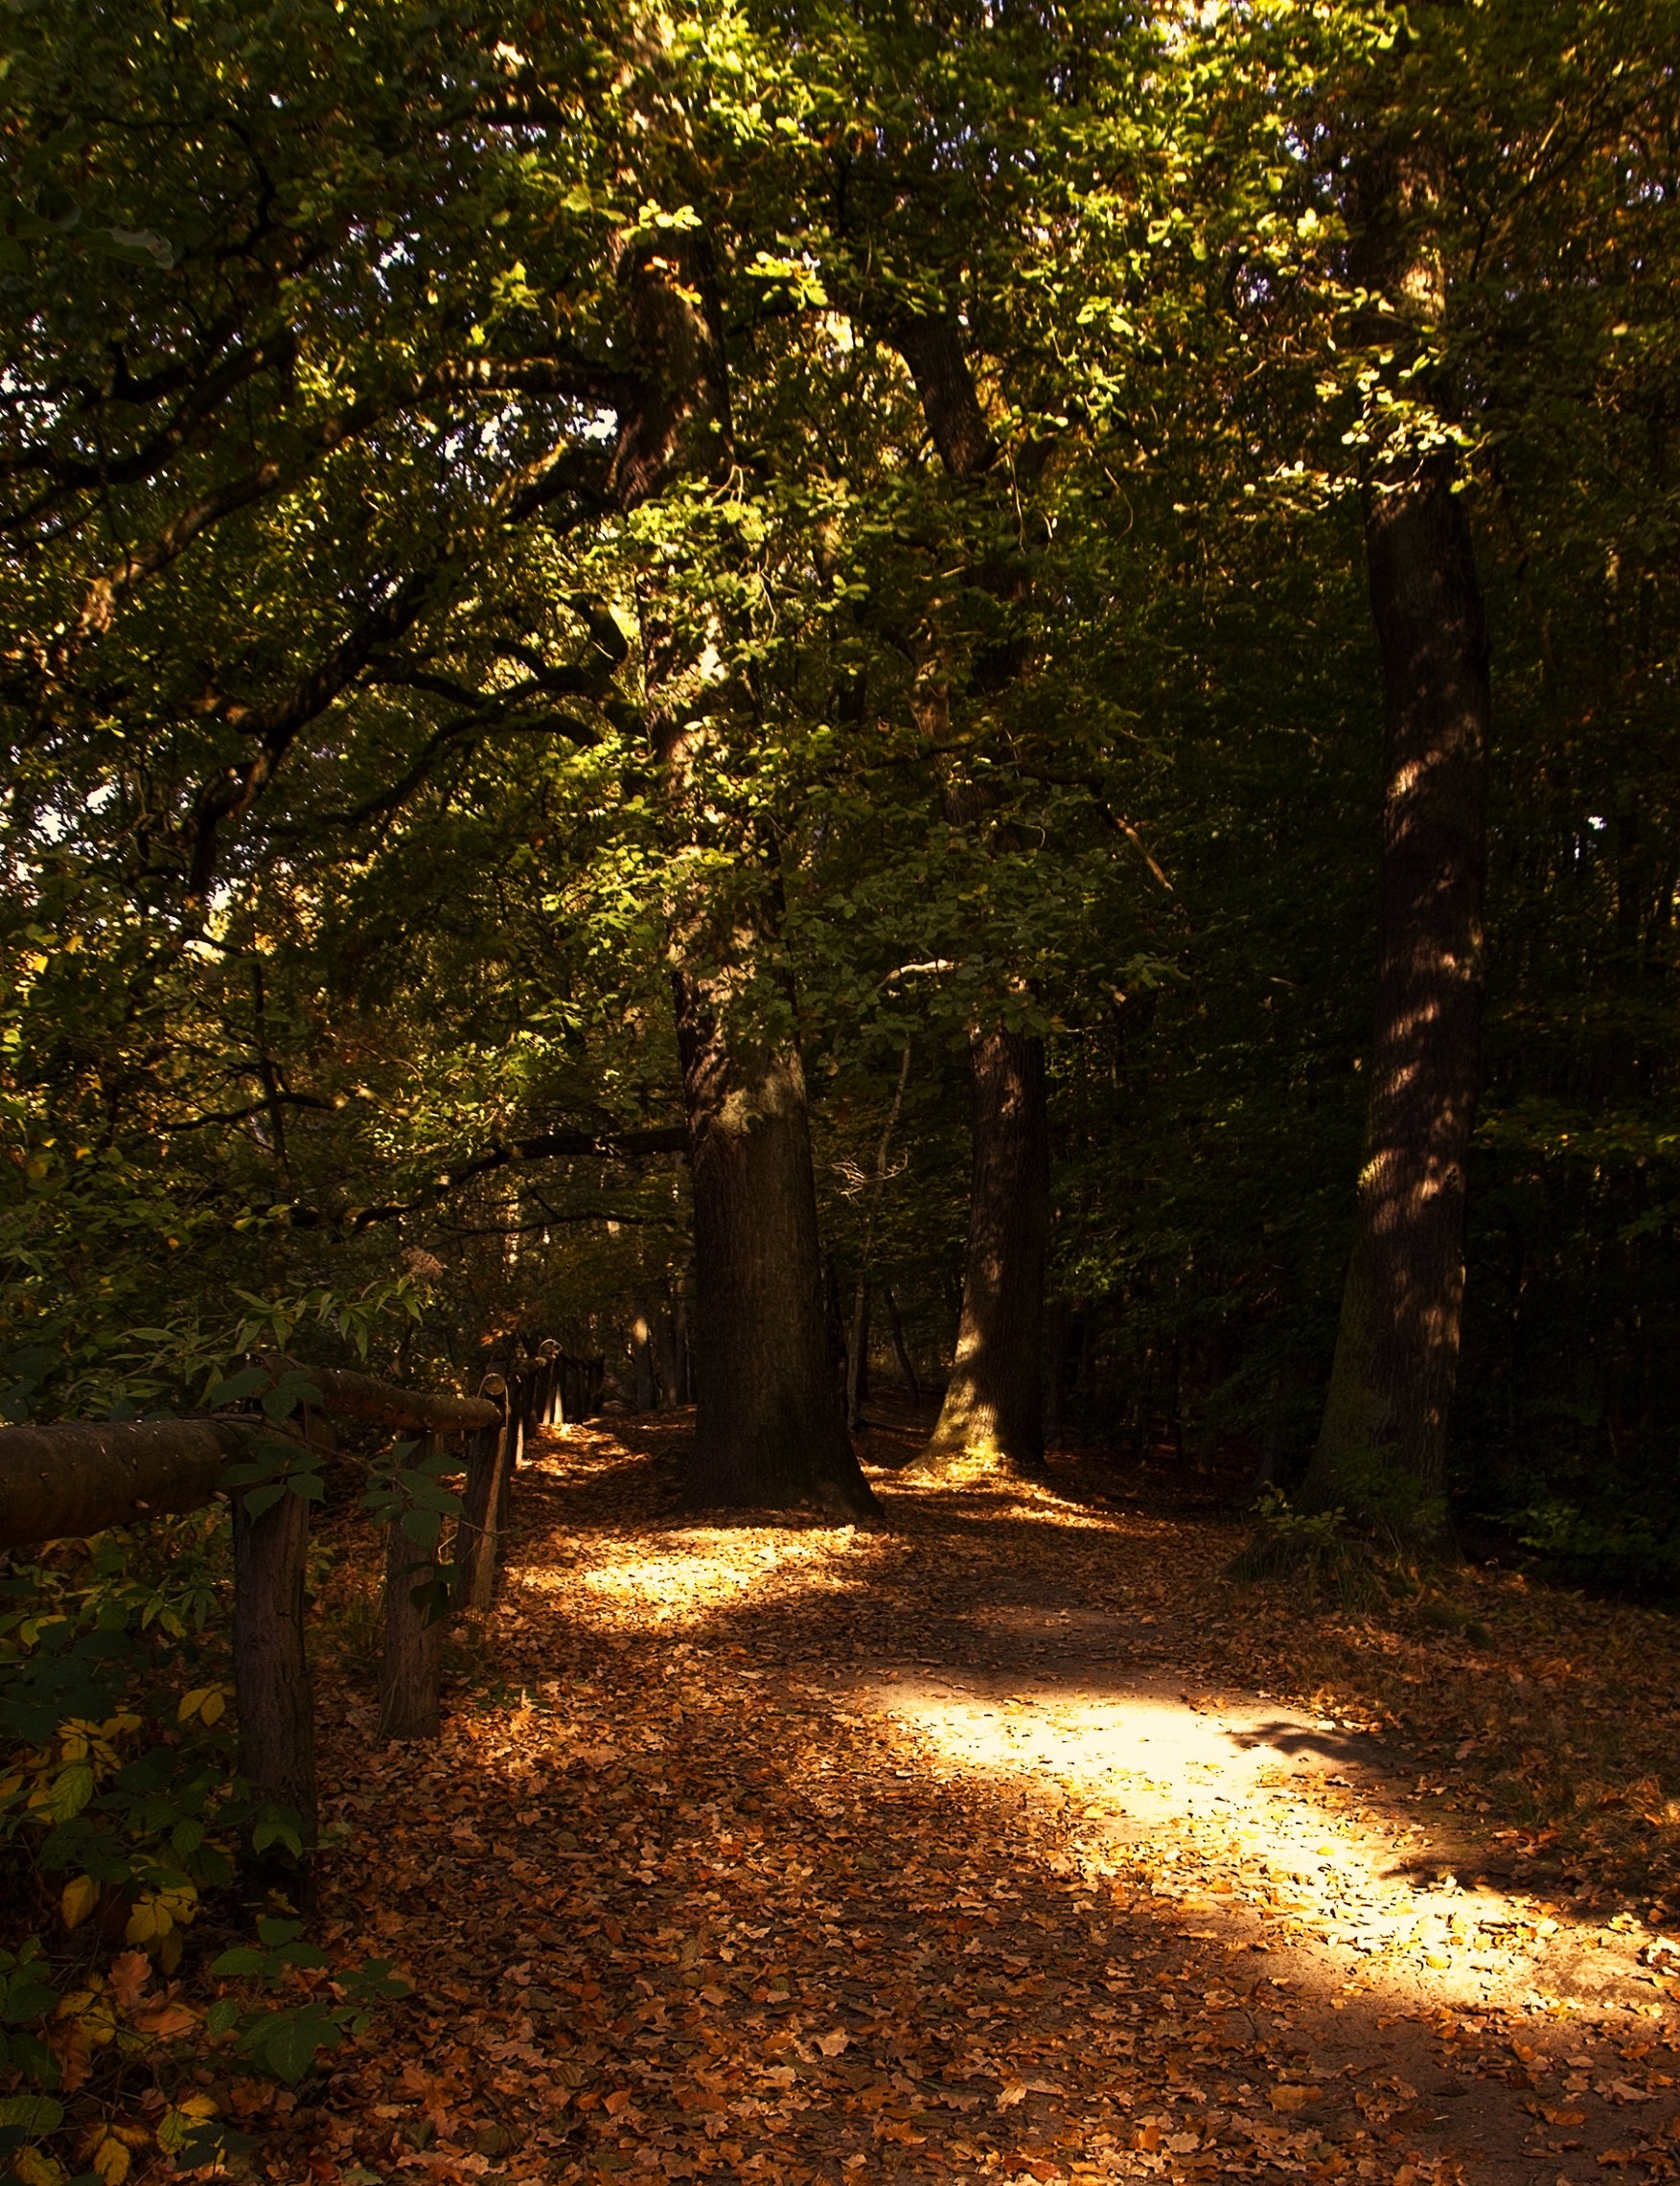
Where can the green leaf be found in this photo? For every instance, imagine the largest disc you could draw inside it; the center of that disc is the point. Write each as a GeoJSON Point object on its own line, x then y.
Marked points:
{"type": "Point", "coordinates": [34, 2114]}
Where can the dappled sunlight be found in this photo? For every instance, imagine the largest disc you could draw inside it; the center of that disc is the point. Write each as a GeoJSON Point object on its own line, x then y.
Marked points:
{"type": "Point", "coordinates": [706, 1569]}
{"type": "Point", "coordinates": [946, 1853]}
{"type": "Point", "coordinates": [1261, 1822]}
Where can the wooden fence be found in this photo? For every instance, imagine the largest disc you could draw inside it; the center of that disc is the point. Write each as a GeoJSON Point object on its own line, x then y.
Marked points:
{"type": "Point", "coordinates": [71, 1479]}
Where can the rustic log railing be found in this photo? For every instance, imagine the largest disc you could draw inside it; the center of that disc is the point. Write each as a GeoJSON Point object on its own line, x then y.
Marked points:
{"type": "Point", "coordinates": [78, 1478]}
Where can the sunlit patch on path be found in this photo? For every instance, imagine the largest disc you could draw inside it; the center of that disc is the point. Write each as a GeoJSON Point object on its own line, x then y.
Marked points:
{"type": "Point", "coordinates": [1272, 1824]}
{"type": "Point", "coordinates": [799, 1853]}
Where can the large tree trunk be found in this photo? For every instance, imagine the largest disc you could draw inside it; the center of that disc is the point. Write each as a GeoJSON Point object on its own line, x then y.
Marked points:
{"type": "Point", "coordinates": [993, 1413]}
{"type": "Point", "coordinates": [1382, 1443]}
{"type": "Point", "coordinates": [769, 1427]}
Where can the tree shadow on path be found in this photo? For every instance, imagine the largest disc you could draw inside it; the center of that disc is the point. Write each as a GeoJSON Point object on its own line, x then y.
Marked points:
{"type": "Point", "coordinates": [804, 1853]}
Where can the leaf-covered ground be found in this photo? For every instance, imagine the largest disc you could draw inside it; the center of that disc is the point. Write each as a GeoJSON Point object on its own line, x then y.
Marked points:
{"type": "Point", "coordinates": [1004, 1844]}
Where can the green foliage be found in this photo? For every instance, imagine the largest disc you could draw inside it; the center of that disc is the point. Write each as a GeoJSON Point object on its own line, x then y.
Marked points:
{"type": "Point", "coordinates": [349, 846]}
{"type": "Point", "coordinates": [285, 2040]}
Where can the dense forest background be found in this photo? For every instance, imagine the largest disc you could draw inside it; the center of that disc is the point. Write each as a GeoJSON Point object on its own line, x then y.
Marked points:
{"type": "Point", "coordinates": [863, 514]}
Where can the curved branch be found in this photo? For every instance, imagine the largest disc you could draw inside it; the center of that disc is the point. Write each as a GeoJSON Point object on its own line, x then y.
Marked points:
{"type": "Point", "coordinates": [547, 1145]}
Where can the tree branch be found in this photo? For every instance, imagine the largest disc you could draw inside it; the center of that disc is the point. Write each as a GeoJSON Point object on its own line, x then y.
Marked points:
{"type": "Point", "coordinates": [547, 1145]}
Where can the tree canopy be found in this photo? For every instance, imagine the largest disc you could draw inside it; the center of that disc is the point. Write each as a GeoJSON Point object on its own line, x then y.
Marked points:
{"type": "Point", "coordinates": [855, 518]}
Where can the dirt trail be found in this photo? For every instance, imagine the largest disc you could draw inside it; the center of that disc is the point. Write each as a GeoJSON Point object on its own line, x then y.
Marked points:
{"type": "Point", "coordinates": [804, 1853]}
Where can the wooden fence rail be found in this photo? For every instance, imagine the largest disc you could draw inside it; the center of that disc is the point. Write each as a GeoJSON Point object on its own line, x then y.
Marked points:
{"type": "Point", "coordinates": [69, 1480]}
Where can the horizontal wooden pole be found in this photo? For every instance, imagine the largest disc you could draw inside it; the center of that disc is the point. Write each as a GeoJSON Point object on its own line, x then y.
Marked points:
{"type": "Point", "coordinates": [346, 1395]}
{"type": "Point", "coordinates": [73, 1477]}
{"type": "Point", "coordinates": [61, 1482]}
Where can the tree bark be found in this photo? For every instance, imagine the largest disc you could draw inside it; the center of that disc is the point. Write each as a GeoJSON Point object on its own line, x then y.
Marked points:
{"type": "Point", "coordinates": [770, 1428]}
{"type": "Point", "coordinates": [993, 1413]}
{"type": "Point", "coordinates": [1382, 1443]}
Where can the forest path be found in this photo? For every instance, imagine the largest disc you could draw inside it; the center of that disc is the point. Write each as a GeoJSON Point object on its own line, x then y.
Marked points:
{"type": "Point", "coordinates": [954, 1851]}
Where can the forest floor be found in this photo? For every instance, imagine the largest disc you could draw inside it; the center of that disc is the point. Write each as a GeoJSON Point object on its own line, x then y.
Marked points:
{"type": "Point", "coordinates": [1005, 1843]}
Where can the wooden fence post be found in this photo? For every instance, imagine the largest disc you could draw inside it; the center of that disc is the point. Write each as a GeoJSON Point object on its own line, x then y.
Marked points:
{"type": "Point", "coordinates": [411, 1679]}
{"type": "Point", "coordinates": [517, 1397]}
{"type": "Point", "coordinates": [270, 1668]}
{"type": "Point", "coordinates": [478, 1541]}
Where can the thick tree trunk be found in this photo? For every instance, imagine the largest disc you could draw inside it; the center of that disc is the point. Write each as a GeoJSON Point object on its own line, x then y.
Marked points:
{"type": "Point", "coordinates": [769, 1427]}
{"type": "Point", "coordinates": [1382, 1448]}
{"type": "Point", "coordinates": [993, 1413]}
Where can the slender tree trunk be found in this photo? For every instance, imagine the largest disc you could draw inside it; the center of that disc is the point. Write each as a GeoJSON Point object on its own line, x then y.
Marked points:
{"type": "Point", "coordinates": [770, 1429]}
{"type": "Point", "coordinates": [993, 1413]}
{"type": "Point", "coordinates": [858, 1347]}
{"type": "Point", "coordinates": [906, 1365]}
{"type": "Point", "coordinates": [684, 1382]}
{"type": "Point", "coordinates": [667, 1353]}
{"type": "Point", "coordinates": [641, 1362]}
{"type": "Point", "coordinates": [1055, 1370]}
{"type": "Point", "coordinates": [1383, 1444]}
{"type": "Point", "coordinates": [858, 1356]}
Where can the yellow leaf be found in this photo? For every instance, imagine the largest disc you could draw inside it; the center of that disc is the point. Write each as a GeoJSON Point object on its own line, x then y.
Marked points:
{"type": "Point", "coordinates": [215, 1706]}
{"type": "Point", "coordinates": [147, 1922]}
{"type": "Point", "coordinates": [109, 2159]}
{"type": "Point", "coordinates": [177, 2122]}
{"type": "Point", "coordinates": [79, 1899]}
{"type": "Point", "coordinates": [35, 2167]}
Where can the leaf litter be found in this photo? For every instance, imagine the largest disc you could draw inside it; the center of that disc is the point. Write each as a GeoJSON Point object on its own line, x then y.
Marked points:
{"type": "Point", "coordinates": [1001, 1844]}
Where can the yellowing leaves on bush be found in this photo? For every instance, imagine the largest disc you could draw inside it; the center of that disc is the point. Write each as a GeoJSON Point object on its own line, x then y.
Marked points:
{"type": "Point", "coordinates": [78, 1901]}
